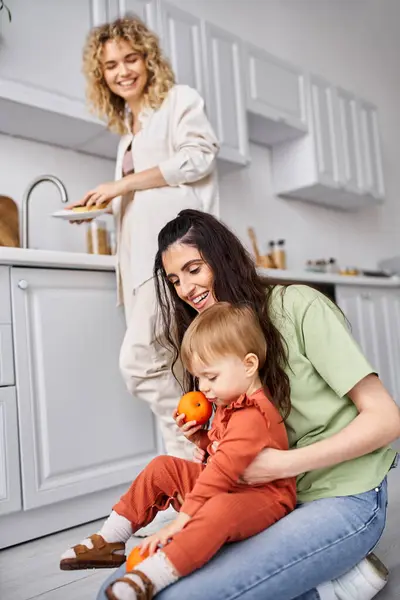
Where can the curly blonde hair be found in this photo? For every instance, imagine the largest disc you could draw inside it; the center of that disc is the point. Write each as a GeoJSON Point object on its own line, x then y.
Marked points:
{"type": "Point", "coordinates": [102, 101]}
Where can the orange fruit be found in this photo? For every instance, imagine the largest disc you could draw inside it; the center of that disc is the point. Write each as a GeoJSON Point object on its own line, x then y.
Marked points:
{"type": "Point", "coordinates": [135, 558]}
{"type": "Point", "coordinates": [196, 407]}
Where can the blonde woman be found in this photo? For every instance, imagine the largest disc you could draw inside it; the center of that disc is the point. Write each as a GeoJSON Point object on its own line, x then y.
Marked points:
{"type": "Point", "coordinates": [166, 162]}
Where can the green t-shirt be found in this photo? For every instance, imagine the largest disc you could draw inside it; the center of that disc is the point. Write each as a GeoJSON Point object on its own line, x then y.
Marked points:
{"type": "Point", "coordinates": [325, 363]}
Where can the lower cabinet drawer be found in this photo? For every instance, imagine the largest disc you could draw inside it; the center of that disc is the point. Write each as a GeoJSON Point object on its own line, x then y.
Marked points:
{"type": "Point", "coordinates": [6, 356]}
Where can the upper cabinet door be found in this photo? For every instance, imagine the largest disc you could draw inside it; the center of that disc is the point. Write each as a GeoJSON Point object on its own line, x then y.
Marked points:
{"type": "Point", "coordinates": [323, 121]}
{"type": "Point", "coordinates": [276, 92]}
{"type": "Point", "coordinates": [371, 151]}
{"type": "Point", "coordinates": [145, 9]}
{"type": "Point", "coordinates": [42, 48]}
{"type": "Point", "coordinates": [181, 37]}
{"type": "Point", "coordinates": [349, 157]}
{"type": "Point", "coordinates": [10, 485]}
{"type": "Point", "coordinates": [225, 93]}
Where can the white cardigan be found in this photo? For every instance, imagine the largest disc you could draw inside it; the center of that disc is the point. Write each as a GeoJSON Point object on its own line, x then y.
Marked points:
{"type": "Point", "coordinates": [179, 139]}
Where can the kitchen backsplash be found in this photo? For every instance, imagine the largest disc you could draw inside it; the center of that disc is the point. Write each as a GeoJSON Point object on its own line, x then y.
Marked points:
{"type": "Point", "coordinates": [23, 160]}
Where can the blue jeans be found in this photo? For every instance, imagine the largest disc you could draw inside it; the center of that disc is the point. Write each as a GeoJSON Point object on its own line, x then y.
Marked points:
{"type": "Point", "coordinates": [317, 542]}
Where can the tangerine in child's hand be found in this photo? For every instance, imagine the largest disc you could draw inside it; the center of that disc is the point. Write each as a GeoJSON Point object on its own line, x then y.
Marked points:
{"type": "Point", "coordinates": [135, 558]}
{"type": "Point", "coordinates": [196, 407]}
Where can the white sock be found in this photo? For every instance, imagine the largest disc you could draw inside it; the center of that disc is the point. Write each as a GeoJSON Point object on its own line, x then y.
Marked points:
{"type": "Point", "coordinates": [157, 568]}
{"type": "Point", "coordinates": [115, 529]}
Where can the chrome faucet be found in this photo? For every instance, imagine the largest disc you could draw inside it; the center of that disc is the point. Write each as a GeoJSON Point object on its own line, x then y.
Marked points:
{"type": "Point", "coordinates": [25, 202]}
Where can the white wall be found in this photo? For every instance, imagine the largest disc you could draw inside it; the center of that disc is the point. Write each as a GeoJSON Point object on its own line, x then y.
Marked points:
{"type": "Point", "coordinates": [353, 43]}
{"type": "Point", "coordinates": [21, 161]}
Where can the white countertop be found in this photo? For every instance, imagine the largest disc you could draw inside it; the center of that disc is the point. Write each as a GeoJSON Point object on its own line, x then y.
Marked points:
{"type": "Point", "coordinates": [93, 262]}
{"type": "Point", "coordinates": [335, 279]}
{"type": "Point", "coordinates": [55, 259]}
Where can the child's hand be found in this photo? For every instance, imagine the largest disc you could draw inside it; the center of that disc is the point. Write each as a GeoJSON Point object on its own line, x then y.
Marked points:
{"type": "Point", "coordinates": [188, 429]}
{"type": "Point", "coordinates": [163, 536]}
{"type": "Point", "coordinates": [199, 455]}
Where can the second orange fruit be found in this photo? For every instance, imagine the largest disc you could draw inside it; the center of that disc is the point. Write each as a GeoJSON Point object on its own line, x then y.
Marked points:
{"type": "Point", "coordinates": [135, 558]}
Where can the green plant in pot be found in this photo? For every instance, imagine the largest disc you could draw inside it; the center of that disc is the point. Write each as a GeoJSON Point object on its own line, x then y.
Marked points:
{"type": "Point", "coordinates": [4, 7]}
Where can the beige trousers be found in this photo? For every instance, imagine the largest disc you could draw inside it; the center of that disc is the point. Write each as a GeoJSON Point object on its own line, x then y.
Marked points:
{"type": "Point", "coordinates": [146, 367]}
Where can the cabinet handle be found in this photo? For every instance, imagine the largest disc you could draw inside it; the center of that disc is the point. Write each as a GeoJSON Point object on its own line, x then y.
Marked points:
{"type": "Point", "coordinates": [23, 284]}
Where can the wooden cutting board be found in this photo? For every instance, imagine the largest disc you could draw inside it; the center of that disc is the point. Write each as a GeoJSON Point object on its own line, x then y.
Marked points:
{"type": "Point", "coordinates": [9, 222]}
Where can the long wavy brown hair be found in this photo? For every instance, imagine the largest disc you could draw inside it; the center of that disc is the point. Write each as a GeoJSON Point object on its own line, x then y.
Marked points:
{"type": "Point", "coordinates": [102, 101]}
{"type": "Point", "coordinates": [235, 281]}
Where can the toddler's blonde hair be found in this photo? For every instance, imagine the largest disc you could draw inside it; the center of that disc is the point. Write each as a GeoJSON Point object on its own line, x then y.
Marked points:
{"type": "Point", "coordinates": [222, 330]}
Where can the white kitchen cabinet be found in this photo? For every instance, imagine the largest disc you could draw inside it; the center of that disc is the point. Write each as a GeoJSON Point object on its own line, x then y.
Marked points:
{"type": "Point", "coordinates": [41, 82]}
{"type": "Point", "coordinates": [10, 487]}
{"type": "Point", "coordinates": [225, 92]}
{"type": "Point", "coordinates": [371, 151]}
{"type": "Point", "coordinates": [338, 163]}
{"type": "Point", "coordinates": [182, 43]}
{"type": "Point", "coordinates": [325, 139]}
{"type": "Point", "coordinates": [112, 9]}
{"type": "Point", "coordinates": [80, 430]}
{"type": "Point", "coordinates": [42, 47]}
{"type": "Point", "coordinates": [275, 98]}
{"type": "Point", "coordinates": [6, 345]}
{"type": "Point", "coordinates": [5, 299]}
{"type": "Point", "coordinates": [374, 316]}
{"type": "Point", "coordinates": [104, 144]}
{"type": "Point", "coordinates": [349, 149]}
{"type": "Point", "coordinates": [6, 356]}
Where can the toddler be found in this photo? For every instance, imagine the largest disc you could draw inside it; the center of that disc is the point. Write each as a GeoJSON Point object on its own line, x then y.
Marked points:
{"type": "Point", "coordinates": [224, 348]}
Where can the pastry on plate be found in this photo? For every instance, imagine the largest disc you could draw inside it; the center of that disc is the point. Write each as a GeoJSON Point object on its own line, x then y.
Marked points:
{"type": "Point", "coordinates": [89, 208]}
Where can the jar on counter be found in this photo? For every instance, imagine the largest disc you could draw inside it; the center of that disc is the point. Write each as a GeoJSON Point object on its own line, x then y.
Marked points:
{"type": "Point", "coordinates": [112, 241]}
{"type": "Point", "coordinates": [279, 254]}
{"type": "Point", "coordinates": [332, 266]}
{"type": "Point", "coordinates": [97, 237]}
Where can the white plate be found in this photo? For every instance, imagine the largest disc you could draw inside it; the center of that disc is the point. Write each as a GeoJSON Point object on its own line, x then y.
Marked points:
{"type": "Point", "coordinates": [71, 215]}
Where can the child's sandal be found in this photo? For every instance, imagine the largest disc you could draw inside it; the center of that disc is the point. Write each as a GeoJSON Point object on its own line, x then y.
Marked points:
{"type": "Point", "coordinates": [146, 594]}
{"type": "Point", "coordinates": [103, 555]}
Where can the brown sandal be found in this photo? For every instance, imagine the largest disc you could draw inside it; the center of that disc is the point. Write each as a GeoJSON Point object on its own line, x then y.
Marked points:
{"type": "Point", "coordinates": [146, 594]}
{"type": "Point", "coordinates": [102, 556]}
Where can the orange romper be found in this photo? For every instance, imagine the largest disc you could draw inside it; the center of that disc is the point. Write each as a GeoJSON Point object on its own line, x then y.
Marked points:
{"type": "Point", "coordinates": [223, 509]}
